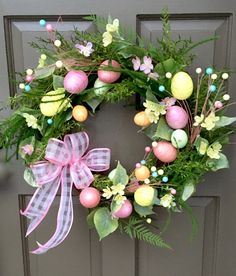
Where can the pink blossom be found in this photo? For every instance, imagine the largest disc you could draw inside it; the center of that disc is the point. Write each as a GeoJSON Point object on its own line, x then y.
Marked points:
{"type": "Point", "coordinates": [27, 149]}
{"type": "Point", "coordinates": [85, 50]}
{"type": "Point", "coordinates": [147, 65]}
{"type": "Point", "coordinates": [168, 101]}
{"type": "Point", "coordinates": [153, 76]}
{"type": "Point", "coordinates": [136, 63]}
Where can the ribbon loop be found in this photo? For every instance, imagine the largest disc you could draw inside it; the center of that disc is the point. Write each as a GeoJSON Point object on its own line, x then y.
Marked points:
{"type": "Point", "coordinates": [66, 166]}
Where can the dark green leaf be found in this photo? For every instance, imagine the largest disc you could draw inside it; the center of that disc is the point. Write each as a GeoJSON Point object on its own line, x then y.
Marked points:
{"type": "Point", "coordinates": [58, 82]}
{"type": "Point", "coordinates": [143, 211]}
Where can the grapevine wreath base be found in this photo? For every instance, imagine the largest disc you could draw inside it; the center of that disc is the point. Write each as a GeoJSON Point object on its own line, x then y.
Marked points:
{"type": "Point", "coordinates": [184, 121]}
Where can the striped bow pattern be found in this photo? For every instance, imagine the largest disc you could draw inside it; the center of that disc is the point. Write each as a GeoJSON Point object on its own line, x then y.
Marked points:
{"type": "Point", "coordinates": [66, 164]}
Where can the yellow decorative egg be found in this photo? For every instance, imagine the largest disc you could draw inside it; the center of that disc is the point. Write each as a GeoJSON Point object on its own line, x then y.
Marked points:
{"type": "Point", "coordinates": [54, 102]}
{"type": "Point", "coordinates": [181, 86]}
{"type": "Point", "coordinates": [142, 173]}
{"type": "Point", "coordinates": [144, 195]}
{"type": "Point", "coordinates": [80, 113]}
{"type": "Point", "coordinates": [141, 119]}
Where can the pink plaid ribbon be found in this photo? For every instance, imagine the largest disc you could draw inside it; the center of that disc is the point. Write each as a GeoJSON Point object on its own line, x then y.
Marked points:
{"type": "Point", "coordinates": [66, 165]}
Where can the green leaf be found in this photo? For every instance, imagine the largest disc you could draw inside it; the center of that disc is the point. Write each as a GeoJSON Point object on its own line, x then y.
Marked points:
{"type": "Point", "coordinates": [199, 143]}
{"type": "Point", "coordinates": [159, 130]}
{"type": "Point", "coordinates": [151, 131]}
{"type": "Point", "coordinates": [115, 207]}
{"type": "Point", "coordinates": [143, 211]}
{"type": "Point", "coordinates": [217, 164]}
{"type": "Point", "coordinates": [150, 97]}
{"type": "Point", "coordinates": [29, 177]}
{"type": "Point", "coordinates": [104, 223]}
{"type": "Point", "coordinates": [163, 130]}
{"type": "Point", "coordinates": [90, 218]}
{"type": "Point", "coordinates": [225, 121]}
{"type": "Point", "coordinates": [58, 82]}
{"type": "Point", "coordinates": [94, 103]}
{"type": "Point", "coordinates": [119, 175]}
{"type": "Point", "coordinates": [41, 73]}
{"type": "Point", "coordinates": [169, 65]}
{"type": "Point", "coordinates": [131, 51]}
{"type": "Point", "coordinates": [189, 189]}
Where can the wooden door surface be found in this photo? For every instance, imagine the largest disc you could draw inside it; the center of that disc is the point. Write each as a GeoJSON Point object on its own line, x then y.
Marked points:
{"type": "Point", "coordinates": [212, 253]}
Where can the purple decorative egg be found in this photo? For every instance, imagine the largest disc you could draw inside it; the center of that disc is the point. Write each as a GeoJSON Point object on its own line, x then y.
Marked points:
{"type": "Point", "coordinates": [108, 76]}
{"type": "Point", "coordinates": [176, 117]}
{"type": "Point", "coordinates": [89, 197]}
{"type": "Point", "coordinates": [75, 82]}
{"type": "Point", "coordinates": [125, 210]}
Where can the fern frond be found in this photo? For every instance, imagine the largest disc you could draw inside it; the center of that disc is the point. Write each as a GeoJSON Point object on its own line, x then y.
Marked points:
{"type": "Point", "coordinates": [135, 228]}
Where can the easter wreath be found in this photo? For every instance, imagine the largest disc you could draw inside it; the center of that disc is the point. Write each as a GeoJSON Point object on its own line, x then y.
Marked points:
{"type": "Point", "coordinates": [185, 122]}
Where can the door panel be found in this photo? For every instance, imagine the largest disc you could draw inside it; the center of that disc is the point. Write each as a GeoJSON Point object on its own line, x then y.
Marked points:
{"type": "Point", "coordinates": [212, 252]}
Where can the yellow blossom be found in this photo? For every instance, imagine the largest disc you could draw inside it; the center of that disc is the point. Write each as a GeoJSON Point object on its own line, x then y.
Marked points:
{"type": "Point", "coordinates": [118, 189]}
{"type": "Point", "coordinates": [114, 27]}
{"type": "Point", "coordinates": [198, 120]}
{"type": "Point", "coordinates": [214, 150]}
{"type": "Point", "coordinates": [119, 199]}
{"type": "Point", "coordinates": [31, 120]}
{"type": "Point", "coordinates": [107, 193]}
{"type": "Point", "coordinates": [154, 110]}
{"type": "Point", "coordinates": [203, 147]}
{"type": "Point", "coordinates": [210, 121]}
{"type": "Point", "coordinates": [167, 200]}
{"type": "Point", "coordinates": [107, 39]}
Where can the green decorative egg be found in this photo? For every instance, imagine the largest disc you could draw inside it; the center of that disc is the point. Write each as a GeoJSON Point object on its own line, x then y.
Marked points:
{"type": "Point", "coordinates": [179, 138]}
{"type": "Point", "coordinates": [181, 86]}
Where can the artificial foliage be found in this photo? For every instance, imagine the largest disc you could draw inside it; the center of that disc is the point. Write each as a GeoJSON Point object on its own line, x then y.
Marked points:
{"type": "Point", "coordinates": [184, 119]}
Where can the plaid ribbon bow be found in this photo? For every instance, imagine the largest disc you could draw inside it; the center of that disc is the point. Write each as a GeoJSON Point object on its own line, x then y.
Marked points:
{"type": "Point", "coordinates": [66, 165]}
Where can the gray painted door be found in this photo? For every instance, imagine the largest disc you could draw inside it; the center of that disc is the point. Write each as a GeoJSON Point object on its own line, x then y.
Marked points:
{"type": "Point", "coordinates": [213, 251]}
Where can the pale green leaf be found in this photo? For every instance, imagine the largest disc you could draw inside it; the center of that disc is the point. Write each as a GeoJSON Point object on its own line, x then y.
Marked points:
{"type": "Point", "coordinates": [41, 73]}
{"type": "Point", "coordinates": [119, 175]}
{"type": "Point", "coordinates": [104, 223]}
{"type": "Point", "coordinates": [29, 177]}
{"type": "Point", "coordinates": [90, 219]}
{"type": "Point", "coordinates": [225, 121]}
{"type": "Point", "coordinates": [217, 164]}
{"type": "Point", "coordinates": [94, 103]}
{"type": "Point", "coordinates": [163, 130]}
{"type": "Point", "coordinates": [189, 189]}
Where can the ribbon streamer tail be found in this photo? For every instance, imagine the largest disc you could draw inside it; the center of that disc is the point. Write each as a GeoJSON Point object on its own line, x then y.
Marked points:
{"type": "Point", "coordinates": [64, 217]}
{"type": "Point", "coordinates": [40, 203]}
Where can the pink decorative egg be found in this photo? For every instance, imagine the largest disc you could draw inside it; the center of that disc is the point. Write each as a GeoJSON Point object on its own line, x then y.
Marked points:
{"type": "Point", "coordinates": [75, 81]}
{"type": "Point", "coordinates": [89, 197]}
{"type": "Point", "coordinates": [125, 210]}
{"type": "Point", "coordinates": [109, 76]}
{"type": "Point", "coordinates": [165, 151]}
{"type": "Point", "coordinates": [176, 117]}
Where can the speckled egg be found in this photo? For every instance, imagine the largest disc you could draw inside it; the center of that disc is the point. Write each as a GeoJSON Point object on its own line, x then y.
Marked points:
{"type": "Point", "coordinates": [179, 138]}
